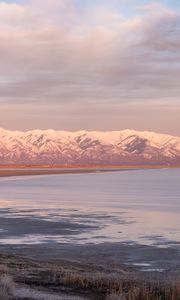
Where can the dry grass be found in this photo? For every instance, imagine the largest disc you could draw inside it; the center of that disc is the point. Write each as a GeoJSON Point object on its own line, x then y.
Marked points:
{"type": "Point", "coordinates": [6, 283]}
{"type": "Point", "coordinates": [3, 269]}
{"type": "Point", "coordinates": [115, 287]}
{"type": "Point", "coordinates": [115, 296]}
{"type": "Point", "coordinates": [147, 290]}
{"type": "Point", "coordinates": [85, 281]}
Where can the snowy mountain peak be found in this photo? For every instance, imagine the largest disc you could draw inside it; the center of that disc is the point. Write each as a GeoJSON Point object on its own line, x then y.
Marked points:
{"type": "Point", "coordinates": [51, 147]}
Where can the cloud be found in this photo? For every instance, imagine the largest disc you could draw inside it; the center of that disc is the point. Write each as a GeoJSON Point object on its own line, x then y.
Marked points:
{"type": "Point", "coordinates": [52, 52]}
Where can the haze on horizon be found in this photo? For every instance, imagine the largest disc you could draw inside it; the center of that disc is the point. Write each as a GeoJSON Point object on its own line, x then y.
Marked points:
{"type": "Point", "coordinates": [92, 65]}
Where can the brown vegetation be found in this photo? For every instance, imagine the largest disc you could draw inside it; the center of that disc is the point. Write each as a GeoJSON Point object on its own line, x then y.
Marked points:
{"type": "Point", "coordinates": [87, 281]}
{"type": "Point", "coordinates": [147, 290]}
{"type": "Point", "coordinates": [6, 283]}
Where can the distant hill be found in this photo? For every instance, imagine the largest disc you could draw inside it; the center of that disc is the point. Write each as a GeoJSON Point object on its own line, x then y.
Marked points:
{"type": "Point", "coordinates": [50, 147]}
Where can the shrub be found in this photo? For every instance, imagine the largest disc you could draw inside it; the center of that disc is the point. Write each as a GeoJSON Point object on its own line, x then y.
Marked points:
{"type": "Point", "coordinates": [6, 286]}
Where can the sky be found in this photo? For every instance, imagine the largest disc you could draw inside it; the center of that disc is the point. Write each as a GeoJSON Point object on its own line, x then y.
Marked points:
{"type": "Point", "coordinates": [90, 65]}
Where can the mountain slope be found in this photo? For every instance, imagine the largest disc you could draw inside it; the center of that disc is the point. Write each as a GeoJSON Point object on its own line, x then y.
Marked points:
{"type": "Point", "coordinates": [50, 147]}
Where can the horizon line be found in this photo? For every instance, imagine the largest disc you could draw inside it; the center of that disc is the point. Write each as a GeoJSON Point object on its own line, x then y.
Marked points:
{"type": "Point", "coordinates": [89, 131]}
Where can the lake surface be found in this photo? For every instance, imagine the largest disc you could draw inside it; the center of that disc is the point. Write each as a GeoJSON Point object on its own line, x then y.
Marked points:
{"type": "Point", "coordinates": [133, 206]}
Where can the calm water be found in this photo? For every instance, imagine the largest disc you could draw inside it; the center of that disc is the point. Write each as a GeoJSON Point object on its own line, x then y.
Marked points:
{"type": "Point", "coordinates": [131, 206]}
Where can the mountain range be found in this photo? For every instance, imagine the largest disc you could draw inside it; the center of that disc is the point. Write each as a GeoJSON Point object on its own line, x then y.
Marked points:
{"type": "Point", "coordinates": [88, 148]}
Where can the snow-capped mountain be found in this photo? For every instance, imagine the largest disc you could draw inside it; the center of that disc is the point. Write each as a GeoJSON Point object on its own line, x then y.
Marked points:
{"type": "Point", "coordinates": [50, 147]}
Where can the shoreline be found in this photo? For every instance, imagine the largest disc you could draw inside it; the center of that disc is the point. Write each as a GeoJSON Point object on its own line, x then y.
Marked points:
{"type": "Point", "coordinates": [49, 171]}
{"type": "Point", "coordinates": [9, 171]}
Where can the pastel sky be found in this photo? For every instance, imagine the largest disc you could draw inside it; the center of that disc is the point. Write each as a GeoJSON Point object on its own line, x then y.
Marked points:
{"type": "Point", "coordinates": [90, 64]}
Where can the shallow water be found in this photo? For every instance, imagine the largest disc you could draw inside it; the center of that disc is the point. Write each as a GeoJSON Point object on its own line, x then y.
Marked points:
{"type": "Point", "coordinates": [141, 206]}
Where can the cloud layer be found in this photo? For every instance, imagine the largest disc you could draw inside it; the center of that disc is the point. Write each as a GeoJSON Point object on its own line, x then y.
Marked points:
{"type": "Point", "coordinates": [85, 65]}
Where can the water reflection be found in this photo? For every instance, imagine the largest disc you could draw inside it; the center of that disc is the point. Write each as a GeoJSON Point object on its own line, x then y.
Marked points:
{"type": "Point", "coordinates": [141, 206]}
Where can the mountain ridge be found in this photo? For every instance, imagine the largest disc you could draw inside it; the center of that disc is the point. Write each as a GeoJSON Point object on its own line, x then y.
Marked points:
{"type": "Point", "coordinates": [53, 147]}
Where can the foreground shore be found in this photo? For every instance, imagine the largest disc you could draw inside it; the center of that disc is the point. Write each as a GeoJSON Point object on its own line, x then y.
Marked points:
{"type": "Point", "coordinates": [27, 279]}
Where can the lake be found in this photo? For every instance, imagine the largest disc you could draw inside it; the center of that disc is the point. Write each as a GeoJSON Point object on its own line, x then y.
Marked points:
{"type": "Point", "coordinates": [140, 207]}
